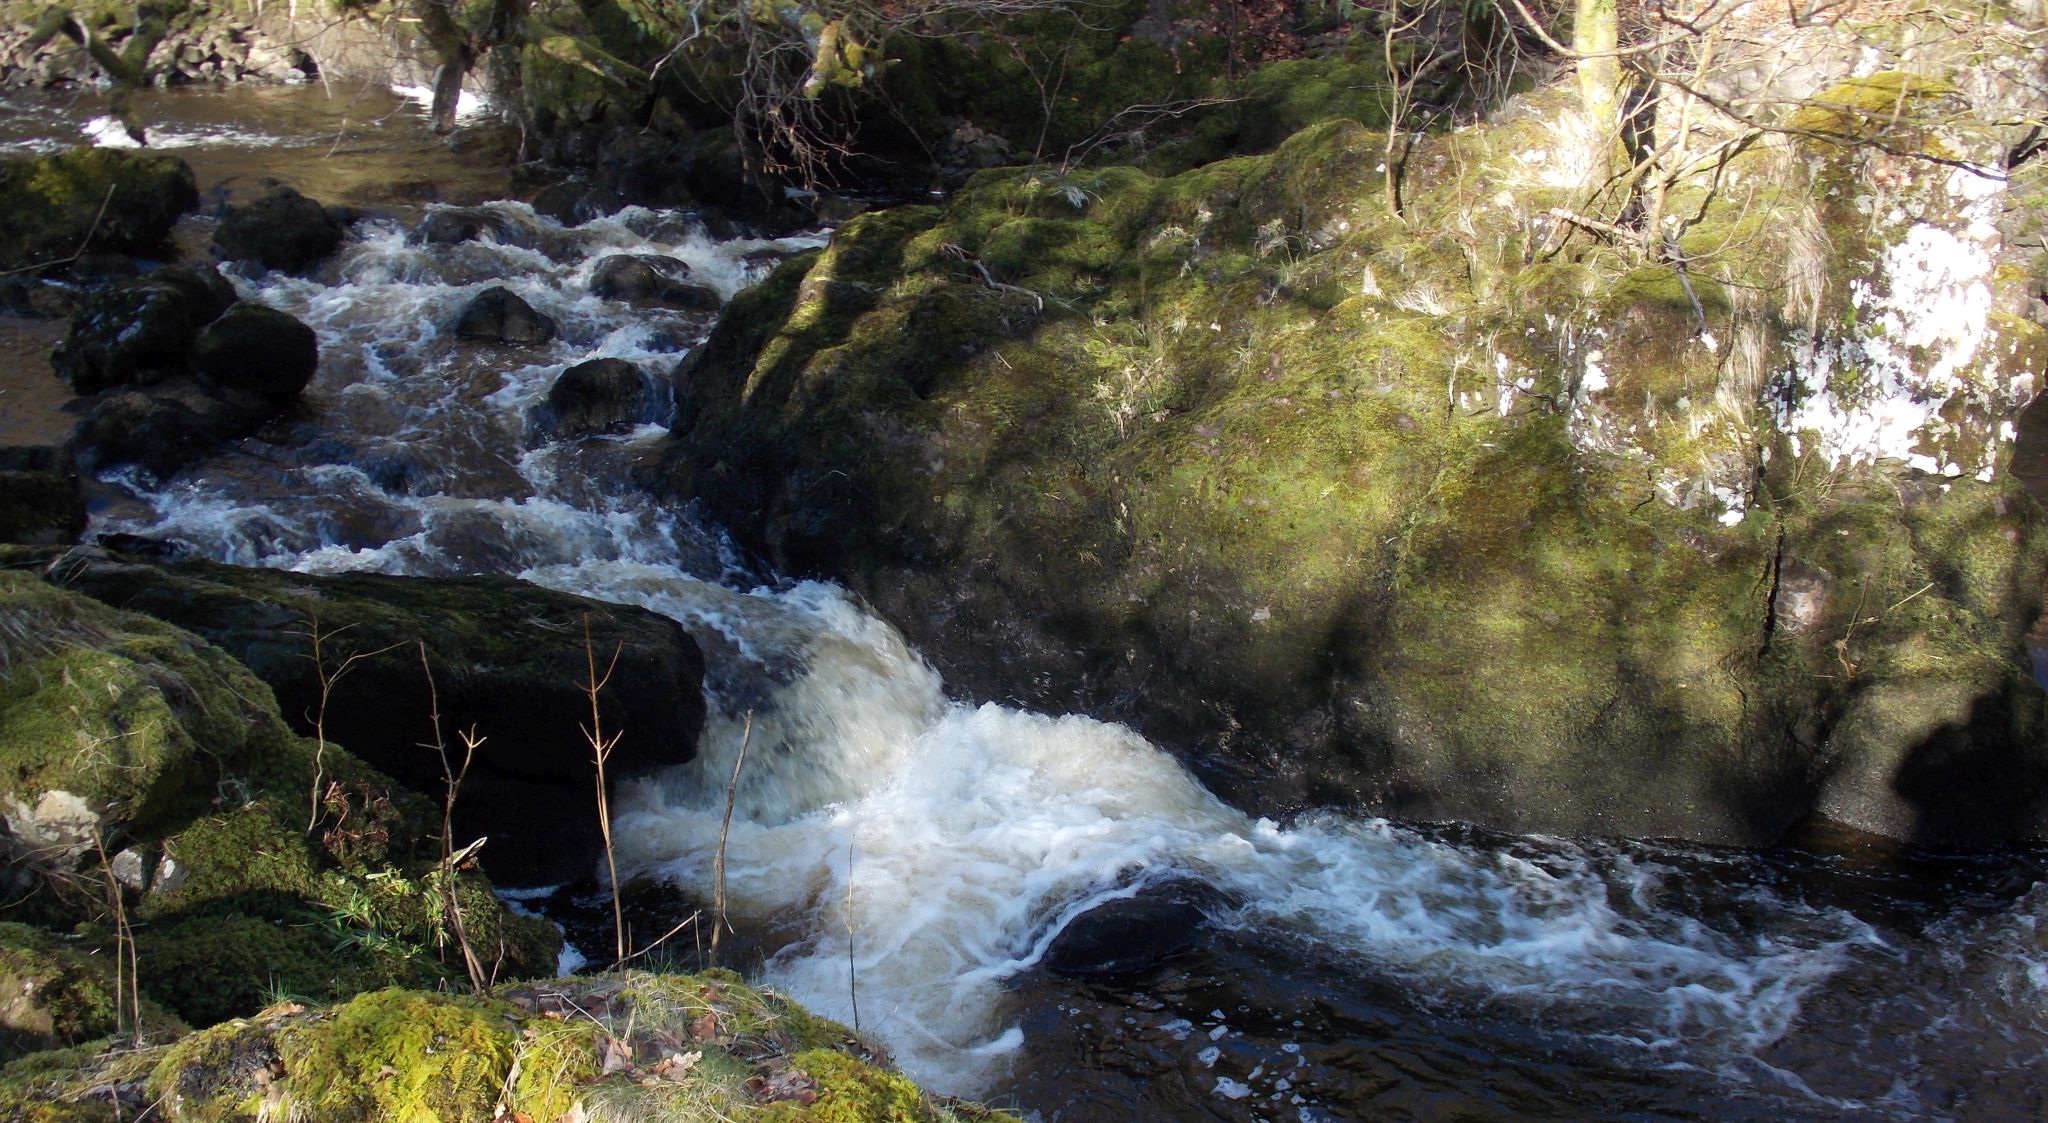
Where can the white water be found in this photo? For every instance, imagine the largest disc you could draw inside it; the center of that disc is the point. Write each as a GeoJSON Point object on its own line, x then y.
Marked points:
{"type": "Point", "coordinates": [947, 842]}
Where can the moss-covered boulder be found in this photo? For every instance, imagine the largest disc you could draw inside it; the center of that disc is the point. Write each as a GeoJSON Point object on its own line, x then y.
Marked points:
{"type": "Point", "coordinates": [1451, 513]}
{"type": "Point", "coordinates": [509, 660]}
{"type": "Point", "coordinates": [138, 760]}
{"type": "Point", "coordinates": [103, 199]}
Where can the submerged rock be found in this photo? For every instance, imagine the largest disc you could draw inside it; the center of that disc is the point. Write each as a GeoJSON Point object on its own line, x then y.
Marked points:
{"type": "Point", "coordinates": [280, 229]}
{"type": "Point", "coordinates": [499, 315]}
{"type": "Point", "coordinates": [1132, 935]}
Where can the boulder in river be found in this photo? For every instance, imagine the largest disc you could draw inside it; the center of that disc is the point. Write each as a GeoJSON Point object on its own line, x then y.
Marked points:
{"type": "Point", "coordinates": [599, 396]}
{"type": "Point", "coordinates": [225, 829]}
{"type": "Point", "coordinates": [280, 229]}
{"type": "Point", "coordinates": [90, 199]}
{"type": "Point", "coordinates": [499, 315]}
{"type": "Point", "coordinates": [257, 350]}
{"type": "Point", "coordinates": [652, 279]}
{"type": "Point", "coordinates": [139, 331]}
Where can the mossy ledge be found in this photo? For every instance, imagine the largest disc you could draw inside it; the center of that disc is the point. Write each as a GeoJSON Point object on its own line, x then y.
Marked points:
{"type": "Point", "coordinates": [629, 1046]}
{"type": "Point", "coordinates": [1417, 513]}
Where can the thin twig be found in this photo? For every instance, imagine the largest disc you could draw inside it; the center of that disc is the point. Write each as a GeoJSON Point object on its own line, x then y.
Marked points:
{"type": "Point", "coordinates": [82, 243]}
{"type": "Point", "coordinates": [600, 751]}
{"type": "Point", "coordinates": [720, 923]}
{"type": "Point", "coordinates": [852, 976]}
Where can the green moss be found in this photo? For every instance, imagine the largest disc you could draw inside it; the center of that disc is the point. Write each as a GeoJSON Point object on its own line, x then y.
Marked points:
{"type": "Point", "coordinates": [134, 717]}
{"type": "Point", "coordinates": [71, 1085]}
{"type": "Point", "coordinates": [106, 199]}
{"type": "Point", "coordinates": [404, 1057]}
{"type": "Point", "coordinates": [1859, 108]}
{"type": "Point", "coordinates": [850, 1092]}
{"type": "Point", "coordinates": [56, 993]}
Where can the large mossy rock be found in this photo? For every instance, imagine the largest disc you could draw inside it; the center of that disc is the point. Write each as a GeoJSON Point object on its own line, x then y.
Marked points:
{"type": "Point", "coordinates": [630, 1045]}
{"type": "Point", "coordinates": [250, 861]}
{"type": "Point", "coordinates": [1411, 514]}
{"type": "Point", "coordinates": [97, 199]}
{"type": "Point", "coordinates": [509, 660]}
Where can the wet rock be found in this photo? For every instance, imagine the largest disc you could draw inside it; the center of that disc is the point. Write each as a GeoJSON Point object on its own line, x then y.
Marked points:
{"type": "Point", "coordinates": [1120, 938]}
{"type": "Point", "coordinates": [598, 396]}
{"type": "Point", "coordinates": [40, 498]}
{"type": "Point", "coordinates": [499, 315]}
{"type": "Point", "coordinates": [507, 658]}
{"type": "Point", "coordinates": [455, 225]}
{"type": "Point", "coordinates": [99, 199]}
{"type": "Point", "coordinates": [139, 332]}
{"type": "Point", "coordinates": [652, 279]}
{"type": "Point", "coordinates": [162, 430]}
{"type": "Point", "coordinates": [257, 350]}
{"type": "Point", "coordinates": [281, 229]}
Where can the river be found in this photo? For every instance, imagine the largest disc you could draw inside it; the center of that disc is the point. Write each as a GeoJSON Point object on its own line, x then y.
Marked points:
{"type": "Point", "coordinates": [908, 858]}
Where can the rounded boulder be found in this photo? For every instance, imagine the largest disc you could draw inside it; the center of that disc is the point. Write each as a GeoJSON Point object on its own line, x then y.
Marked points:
{"type": "Point", "coordinates": [257, 350]}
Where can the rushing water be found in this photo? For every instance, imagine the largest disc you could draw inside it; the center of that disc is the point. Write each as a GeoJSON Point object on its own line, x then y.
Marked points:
{"type": "Point", "coordinates": [909, 859]}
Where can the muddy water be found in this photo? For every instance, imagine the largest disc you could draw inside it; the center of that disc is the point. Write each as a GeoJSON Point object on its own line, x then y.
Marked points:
{"type": "Point", "coordinates": [917, 862]}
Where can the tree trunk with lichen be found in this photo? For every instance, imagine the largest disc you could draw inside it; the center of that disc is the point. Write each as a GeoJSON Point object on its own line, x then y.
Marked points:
{"type": "Point", "coordinates": [1596, 32]}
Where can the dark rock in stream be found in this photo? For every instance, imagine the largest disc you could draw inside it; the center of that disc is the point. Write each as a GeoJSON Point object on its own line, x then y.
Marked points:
{"type": "Point", "coordinates": [257, 350]}
{"type": "Point", "coordinates": [653, 279]}
{"type": "Point", "coordinates": [139, 331]}
{"type": "Point", "coordinates": [194, 368]}
{"type": "Point", "coordinates": [162, 430]}
{"type": "Point", "coordinates": [509, 660]}
{"type": "Point", "coordinates": [454, 225]}
{"type": "Point", "coordinates": [598, 396]}
{"type": "Point", "coordinates": [1121, 938]}
{"type": "Point", "coordinates": [41, 502]}
{"type": "Point", "coordinates": [499, 315]}
{"type": "Point", "coordinates": [281, 229]}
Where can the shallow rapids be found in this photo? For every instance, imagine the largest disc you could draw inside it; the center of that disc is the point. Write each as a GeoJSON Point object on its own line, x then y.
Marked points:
{"type": "Point", "coordinates": [911, 860]}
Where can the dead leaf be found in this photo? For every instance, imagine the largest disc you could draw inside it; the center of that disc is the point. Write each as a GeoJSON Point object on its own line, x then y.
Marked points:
{"type": "Point", "coordinates": [705, 1028]}
{"type": "Point", "coordinates": [613, 1056]}
{"type": "Point", "coordinates": [676, 1067]}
